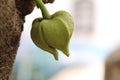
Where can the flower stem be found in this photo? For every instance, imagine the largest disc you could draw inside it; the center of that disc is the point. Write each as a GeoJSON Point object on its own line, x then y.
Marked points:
{"type": "Point", "coordinates": [44, 10]}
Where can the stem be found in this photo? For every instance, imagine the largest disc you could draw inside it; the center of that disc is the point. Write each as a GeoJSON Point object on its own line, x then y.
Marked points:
{"type": "Point", "coordinates": [44, 10]}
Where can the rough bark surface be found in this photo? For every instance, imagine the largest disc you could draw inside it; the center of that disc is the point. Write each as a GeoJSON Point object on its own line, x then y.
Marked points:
{"type": "Point", "coordinates": [12, 13]}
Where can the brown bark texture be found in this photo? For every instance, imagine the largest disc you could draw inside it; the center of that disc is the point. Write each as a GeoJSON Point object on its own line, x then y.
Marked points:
{"type": "Point", "coordinates": [12, 13]}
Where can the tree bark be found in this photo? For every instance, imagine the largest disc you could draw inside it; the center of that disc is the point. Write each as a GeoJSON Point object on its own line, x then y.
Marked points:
{"type": "Point", "coordinates": [12, 13]}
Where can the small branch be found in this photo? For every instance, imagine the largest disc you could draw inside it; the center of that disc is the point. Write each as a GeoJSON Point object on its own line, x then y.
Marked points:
{"type": "Point", "coordinates": [44, 10]}
{"type": "Point", "coordinates": [48, 1]}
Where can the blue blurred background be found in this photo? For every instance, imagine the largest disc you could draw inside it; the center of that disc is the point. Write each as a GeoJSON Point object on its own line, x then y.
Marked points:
{"type": "Point", "coordinates": [96, 35]}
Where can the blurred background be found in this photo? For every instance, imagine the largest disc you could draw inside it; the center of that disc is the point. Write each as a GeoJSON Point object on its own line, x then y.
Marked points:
{"type": "Point", "coordinates": [96, 35]}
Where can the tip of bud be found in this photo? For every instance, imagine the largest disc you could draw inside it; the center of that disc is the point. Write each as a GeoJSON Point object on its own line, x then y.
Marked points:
{"type": "Point", "coordinates": [66, 52]}
{"type": "Point", "coordinates": [56, 58]}
{"type": "Point", "coordinates": [55, 54]}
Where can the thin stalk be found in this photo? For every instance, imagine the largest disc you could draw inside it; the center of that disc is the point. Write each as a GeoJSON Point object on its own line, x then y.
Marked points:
{"type": "Point", "coordinates": [44, 10]}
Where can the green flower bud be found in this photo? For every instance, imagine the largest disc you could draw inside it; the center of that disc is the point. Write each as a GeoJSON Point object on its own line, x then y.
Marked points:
{"type": "Point", "coordinates": [38, 39]}
{"type": "Point", "coordinates": [52, 32]}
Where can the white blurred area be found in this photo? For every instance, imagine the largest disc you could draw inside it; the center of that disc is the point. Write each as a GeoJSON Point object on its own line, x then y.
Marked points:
{"type": "Point", "coordinates": [88, 50]}
{"type": "Point", "coordinates": [91, 72]}
{"type": "Point", "coordinates": [107, 22]}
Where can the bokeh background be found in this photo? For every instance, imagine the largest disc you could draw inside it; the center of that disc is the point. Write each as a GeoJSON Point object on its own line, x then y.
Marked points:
{"type": "Point", "coordinates": [96, 35]}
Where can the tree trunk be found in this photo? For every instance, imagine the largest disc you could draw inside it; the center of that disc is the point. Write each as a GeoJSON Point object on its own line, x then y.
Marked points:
{"type": "Point", "coordinates": [12, 13]}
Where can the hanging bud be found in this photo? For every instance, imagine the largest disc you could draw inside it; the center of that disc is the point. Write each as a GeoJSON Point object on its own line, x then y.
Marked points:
{"type": "Point", "coordinates": [52, 32]}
